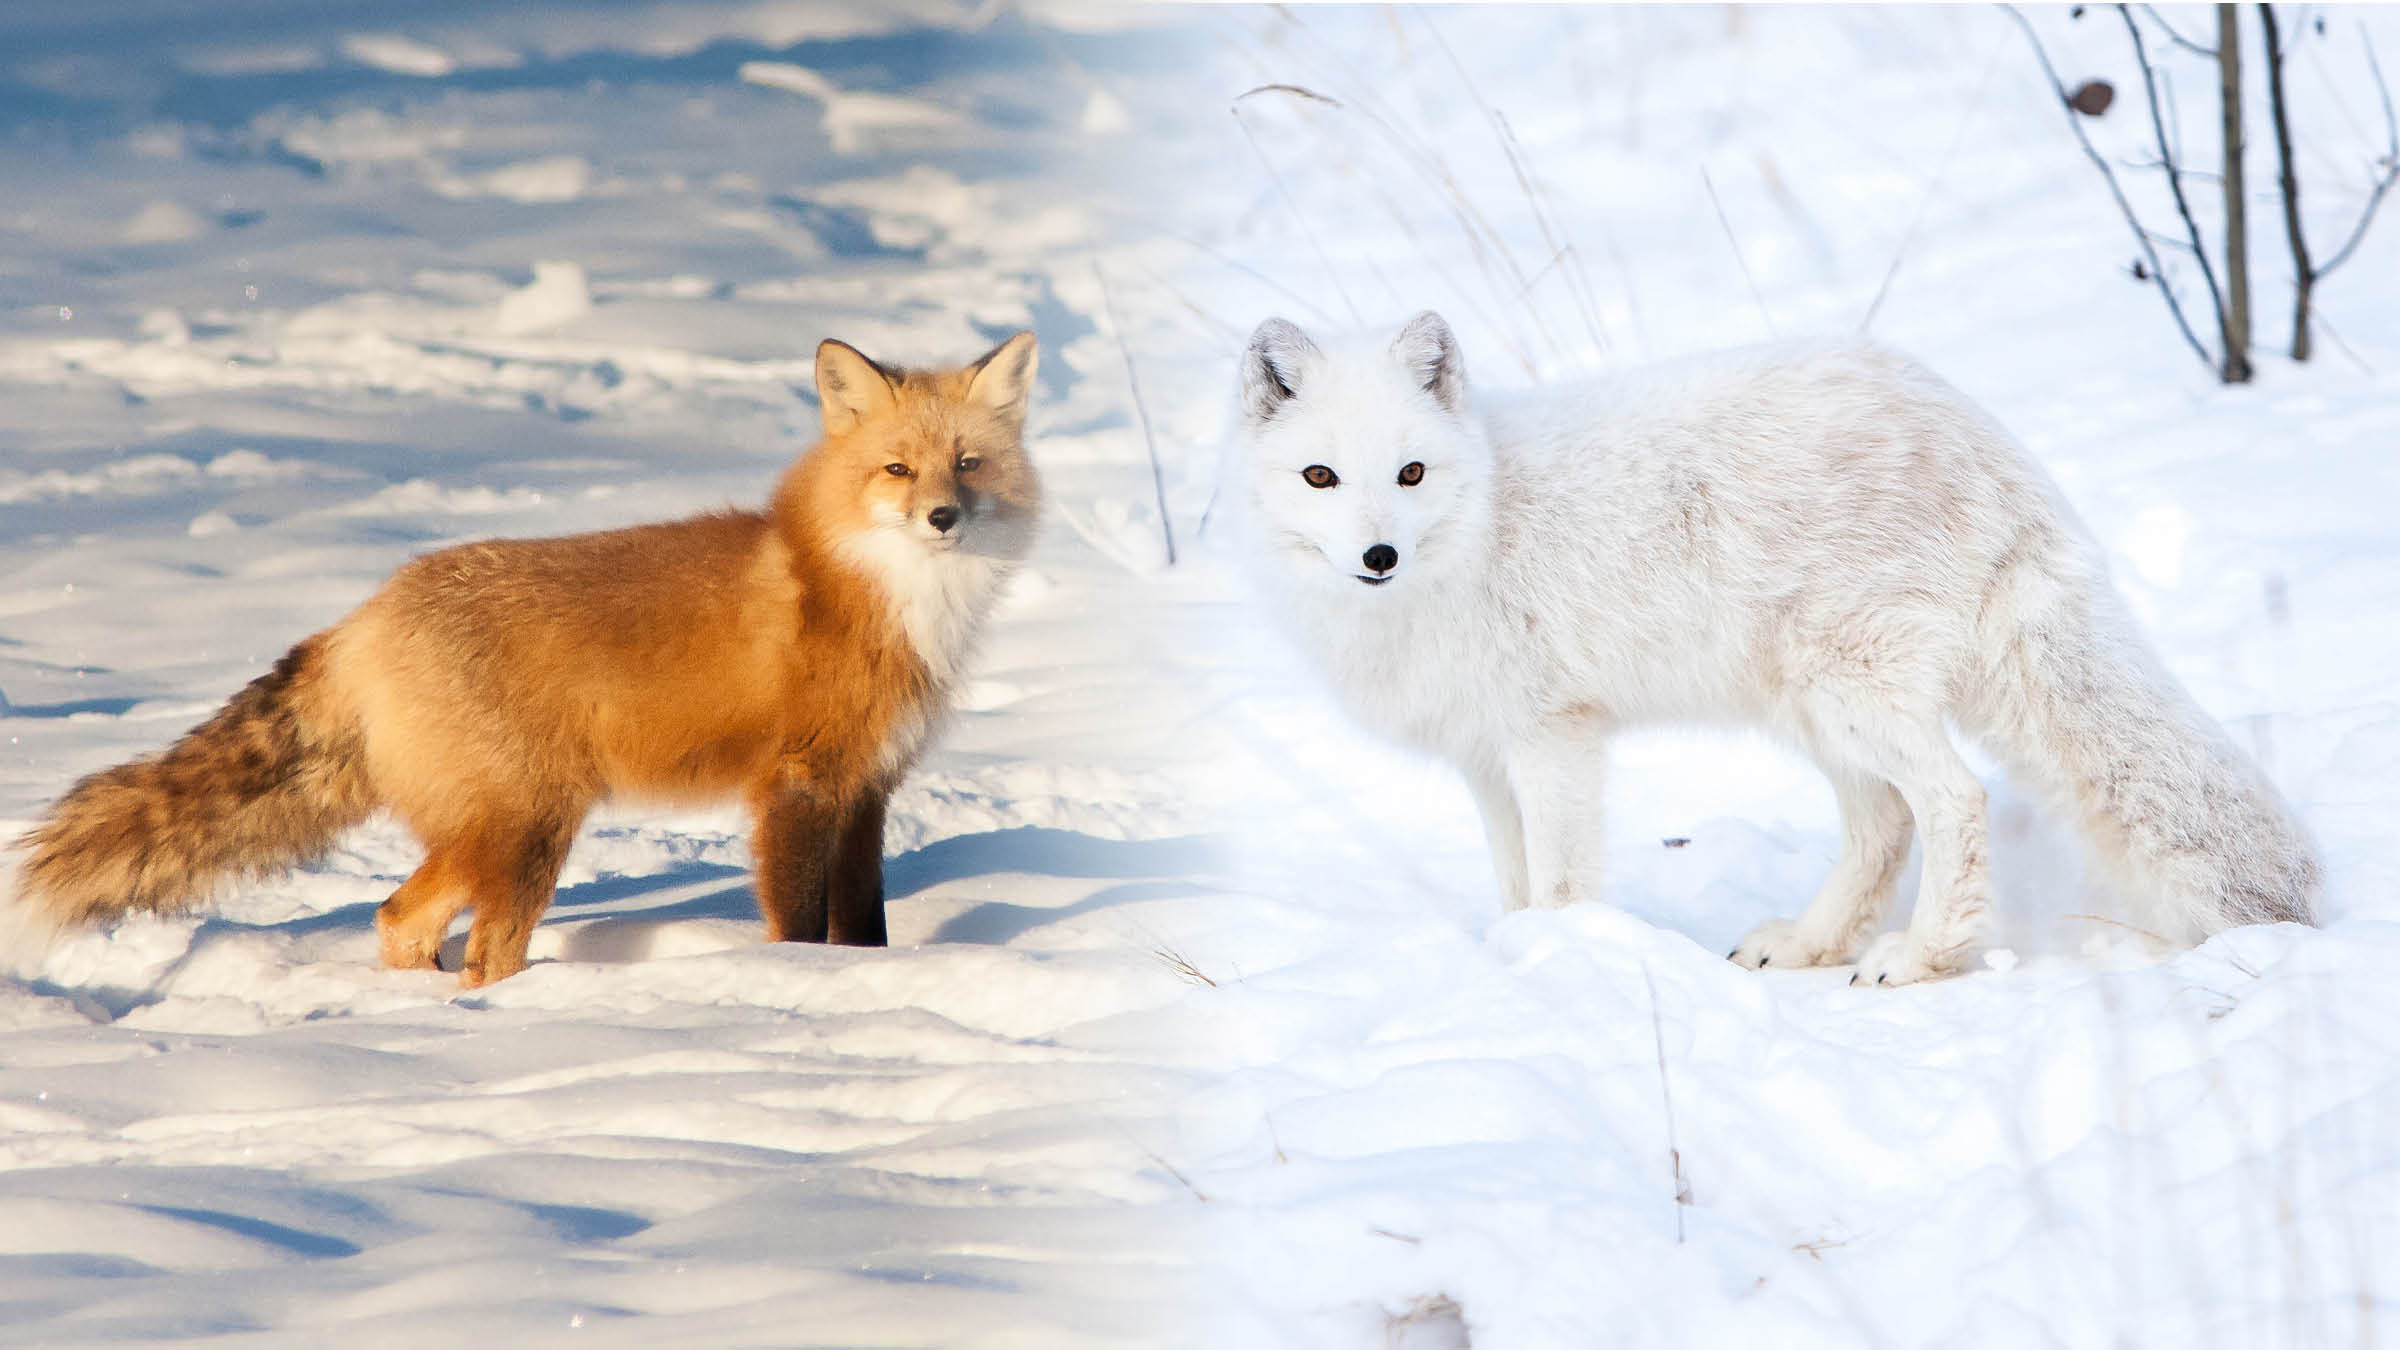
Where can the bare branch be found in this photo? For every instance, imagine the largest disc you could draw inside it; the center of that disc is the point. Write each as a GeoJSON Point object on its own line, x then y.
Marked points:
{"type": "Point", "coordinates": [2183, 205]}
{"type": "Point", "coordinates": [2391, 164]}
{"type": "Point", "coordinates": [2304, 275]}
{"type": "Point", "coordinates": [2124, 207]}
{"type": "Point", "coordinates": [1736, 245]}
{"type": "Point", "coordinates": [1297, 91]}
{"type": "Point", "coordinates": [2152, 14]}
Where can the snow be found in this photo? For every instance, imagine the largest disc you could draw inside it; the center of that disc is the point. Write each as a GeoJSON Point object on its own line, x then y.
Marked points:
{"type": "Point", "coordinates": [1202, 1025]}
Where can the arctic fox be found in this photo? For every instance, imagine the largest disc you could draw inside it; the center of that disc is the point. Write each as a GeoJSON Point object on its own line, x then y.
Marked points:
{"type": "Point", "coordinates": [490, 694]}
{"type": "Point", "coordinates": [1823, 542]}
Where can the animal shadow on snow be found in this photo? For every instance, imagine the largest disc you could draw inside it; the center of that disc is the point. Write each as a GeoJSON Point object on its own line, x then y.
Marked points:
{"type": "Point", "coordinates": [684, 911]}
{"type": "Point", "coordinates": [642, 915]}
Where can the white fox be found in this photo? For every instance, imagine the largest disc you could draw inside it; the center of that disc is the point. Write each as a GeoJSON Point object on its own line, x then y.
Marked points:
{"type": "Point", "coordinates": [1824, 542]}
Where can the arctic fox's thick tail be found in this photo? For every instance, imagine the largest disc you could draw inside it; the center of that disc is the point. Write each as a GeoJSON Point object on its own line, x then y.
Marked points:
{"type": "Point", "coordinates": [265, 784]}
{"type": "Point", "coordinates": [2189, 825]}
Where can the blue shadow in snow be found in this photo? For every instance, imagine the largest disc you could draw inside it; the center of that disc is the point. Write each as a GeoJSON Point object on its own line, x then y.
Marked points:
{"type": "Point", "coordinates": [134, 40]}
{"type": "Point", "coordinates": [113, 707]}
{"type": "Point", "coordinates": [315, 1246]}
{"type": "Point", "coordinates": [1148, 869]}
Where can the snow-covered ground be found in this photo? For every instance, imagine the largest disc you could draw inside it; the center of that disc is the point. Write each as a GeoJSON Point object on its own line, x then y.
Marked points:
{"type": "Point", "coordinates": [1202, 1025]}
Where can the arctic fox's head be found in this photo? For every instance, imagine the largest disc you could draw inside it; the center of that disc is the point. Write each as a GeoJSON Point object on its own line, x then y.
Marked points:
{"type": "Point", "coordinates": [1363, 469]}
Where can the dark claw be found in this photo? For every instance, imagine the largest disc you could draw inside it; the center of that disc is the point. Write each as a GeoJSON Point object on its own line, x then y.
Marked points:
{"type": "Point", "coordinates": [1854, 980]}
{"type": "Point", "coordinates": [1883, 978]}
{"type": "Point", "coordinates": [1731, 954]}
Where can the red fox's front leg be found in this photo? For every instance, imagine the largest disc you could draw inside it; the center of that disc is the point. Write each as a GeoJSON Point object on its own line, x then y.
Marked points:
{"type": "Point", "coordinates": [795, 843]}
{"type": "Point", "coordinates": [856, 890]}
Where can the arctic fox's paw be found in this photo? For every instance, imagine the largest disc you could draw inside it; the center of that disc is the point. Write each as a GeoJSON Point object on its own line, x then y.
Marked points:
{"type": "Point", "coordinates": [1781, 943]}
{"type": "Point", "coordinates": [1896, 958]}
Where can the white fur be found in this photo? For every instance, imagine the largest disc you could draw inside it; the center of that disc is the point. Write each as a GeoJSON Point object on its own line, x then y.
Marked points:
{"type": "Point", "coordinates": [940, 590]}
{"type": "Point", "coordinates": [1824, 542]}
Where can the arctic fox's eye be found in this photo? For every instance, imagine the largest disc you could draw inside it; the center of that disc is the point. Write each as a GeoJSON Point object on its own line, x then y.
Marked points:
{"type": "Point", "coordinates": [969, 463]}
{"type": "Point", "coordinates": [897, 469]}
{"type": "Point", "coordinates": [1411, 474]}
{"type": "Point", "coordinates": [1319, 476]}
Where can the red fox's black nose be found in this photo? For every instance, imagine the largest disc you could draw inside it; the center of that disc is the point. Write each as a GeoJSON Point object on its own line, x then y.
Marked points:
{"type": "Point", "coordinates": [1382, 558]}
{"type": "Point", "coordinates": [942, 518]}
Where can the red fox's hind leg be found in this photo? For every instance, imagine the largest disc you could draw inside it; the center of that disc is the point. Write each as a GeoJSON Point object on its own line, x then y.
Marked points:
{"type": "Point", "coordinates": [515, 871]}
{"type": "Point", "coordinates": [413, 922]}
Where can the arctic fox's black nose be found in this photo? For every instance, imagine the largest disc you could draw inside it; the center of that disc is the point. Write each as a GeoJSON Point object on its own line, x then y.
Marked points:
{"type": "Point", "coordinates": [1382, 558]}
{"type": "Point", "coordinates": [942, 517]}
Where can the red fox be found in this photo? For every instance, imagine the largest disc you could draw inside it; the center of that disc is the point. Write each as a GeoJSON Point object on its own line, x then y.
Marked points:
{"type": "Point", "coordinates": [490, 694]}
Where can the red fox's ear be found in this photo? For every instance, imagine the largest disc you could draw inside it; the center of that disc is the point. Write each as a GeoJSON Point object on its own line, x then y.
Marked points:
{"type": "Point", "coordinates": [1004, 377]}
{"type": "Point", "coordinates": [850, 388]}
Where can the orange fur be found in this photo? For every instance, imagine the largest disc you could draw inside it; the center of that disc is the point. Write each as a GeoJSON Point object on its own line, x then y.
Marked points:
{"type": "Point", "coordinates": [490, 694]}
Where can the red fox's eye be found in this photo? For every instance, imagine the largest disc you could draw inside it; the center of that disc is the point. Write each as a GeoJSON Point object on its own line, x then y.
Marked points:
{"type": "Point", "coordinates": [970, 463]}
{"type": "Point", "coordinates": [1411, 474]}
{"type": "Point", "coordinates": [896, 469]}
{"type": "Point", "coordinates": [1319, 476]}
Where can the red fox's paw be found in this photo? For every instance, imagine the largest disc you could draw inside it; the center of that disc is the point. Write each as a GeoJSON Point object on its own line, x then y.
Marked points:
{"type": "Point", "coordinates": [477, 974]}
{"type": "Point", "coordinates": [1784, 945]}
{"type": "Point", "coordinates": [1897, 958]}
{"type": "Point", "coordinates": [403, 947]}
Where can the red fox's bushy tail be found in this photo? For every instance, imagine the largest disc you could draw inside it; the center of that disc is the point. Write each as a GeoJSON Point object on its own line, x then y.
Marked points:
{"type": "Point", "coordinates": [265, 784]}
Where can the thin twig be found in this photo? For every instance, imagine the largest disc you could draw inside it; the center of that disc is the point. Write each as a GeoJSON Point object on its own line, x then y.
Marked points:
{"type": "Point", "coordinates": [1321, 314]}
{"type": "Point", "coordinates": [1141, 408]}
{"type": "Point", "coordinates": [2120, 923]}
{"type": "Point", "coordinates": [1297, 214]}
{"type": "Point", "coordinates": [1182, 965]}
{"type": "Point", "coordinates": [2133, 222]}
{"type": "Point", "coordinates": [1925, 204]}
{"type": "Point", "coordinates": [2183, 205]}
{"type": "Point", "coordinates": [2334, 336]}
{"type": "Point", "coordinates": [1487, 246]}
{"type": "Point", "coordinates": [1170, 1168]}
{"type": "Point", "coordinates": [1299, 90]}
{"type": "Point", "coordinates": [2391, 164]}
{"type": "Point", "coordinates": [1507, 137]}
{"type": "Point", "coordinates": [1658, 1037]}
{"type": "Point", "coordinates": [2177, 38]}
{"type": "Point", "coordinates": [1736, 246]}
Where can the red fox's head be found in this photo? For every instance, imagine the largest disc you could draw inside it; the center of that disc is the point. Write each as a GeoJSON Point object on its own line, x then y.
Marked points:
{"type": "Point", "coordinates": [937, 457]}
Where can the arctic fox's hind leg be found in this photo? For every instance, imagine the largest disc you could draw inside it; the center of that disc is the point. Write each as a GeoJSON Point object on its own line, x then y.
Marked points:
{"type": "Point", "coordinates": [1954, 898]}
{"type": "Point", "coordinates": [1875, 834]}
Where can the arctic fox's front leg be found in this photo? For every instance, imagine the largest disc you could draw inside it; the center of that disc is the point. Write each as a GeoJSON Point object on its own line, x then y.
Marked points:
{"type": "Point", "coordinates": [1556, 779]}
{"type": "Point", "coordinates": [1504, 831]}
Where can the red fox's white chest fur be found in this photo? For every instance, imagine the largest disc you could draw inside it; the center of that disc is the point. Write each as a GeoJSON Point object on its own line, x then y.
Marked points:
{"type": "Point", "coordinates": [490, 694]}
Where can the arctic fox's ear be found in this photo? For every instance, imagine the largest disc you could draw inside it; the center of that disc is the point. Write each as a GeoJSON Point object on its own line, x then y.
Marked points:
{"type": "Point", "coordinates": [1431, 355]}
{"type": "Point", "coordinates": [1271, 367]}
{"type": "Point", "coordinates": [1003, 379]}
{"type": "Point", "coordinates": [850, 388]}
